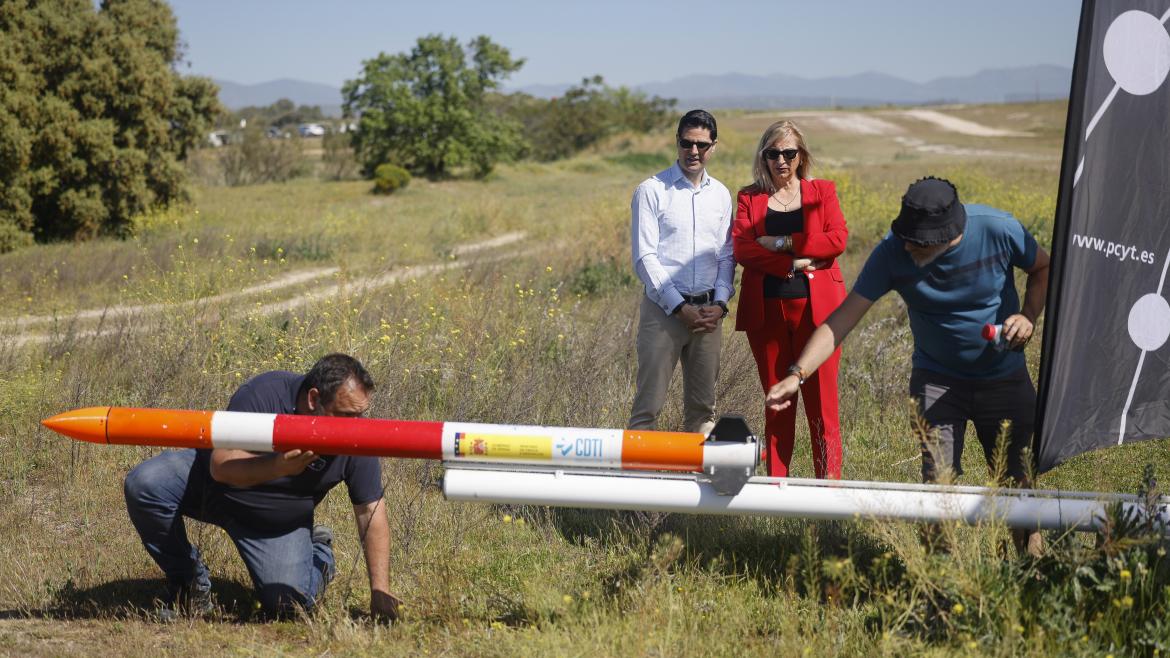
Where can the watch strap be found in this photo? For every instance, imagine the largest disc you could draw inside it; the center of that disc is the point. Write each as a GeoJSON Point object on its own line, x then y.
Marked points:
{"type": "Point", "coordinates": [798, 371]}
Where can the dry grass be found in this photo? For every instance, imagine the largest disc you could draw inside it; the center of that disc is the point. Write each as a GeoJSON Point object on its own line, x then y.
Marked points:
{"type": "Point", "coordinates": [543, 336]}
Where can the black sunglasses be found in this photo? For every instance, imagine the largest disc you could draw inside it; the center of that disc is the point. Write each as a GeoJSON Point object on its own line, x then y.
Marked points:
{"type": "Point", "coordinates": [774, 154]}
{"type": "Point", "coordinates": [686, 145]}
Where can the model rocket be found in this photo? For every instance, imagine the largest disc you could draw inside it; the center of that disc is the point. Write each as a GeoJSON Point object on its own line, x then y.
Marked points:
{"type": "Point", "coordinates": [591, 468]}
{"type": "Point", "coordinates": [730, 444]}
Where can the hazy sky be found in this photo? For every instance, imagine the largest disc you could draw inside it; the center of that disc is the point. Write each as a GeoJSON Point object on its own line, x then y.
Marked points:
{"type": "Point", "coordinates": [631, 42]}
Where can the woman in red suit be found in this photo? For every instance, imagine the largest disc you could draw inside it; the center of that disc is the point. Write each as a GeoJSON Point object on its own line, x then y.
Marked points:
{"type": "Point", "coordinates": [788, 233]}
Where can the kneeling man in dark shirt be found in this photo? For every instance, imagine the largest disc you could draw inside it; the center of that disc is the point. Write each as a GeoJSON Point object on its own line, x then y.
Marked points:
{"type": "Point", "coordinates": [265, 501]}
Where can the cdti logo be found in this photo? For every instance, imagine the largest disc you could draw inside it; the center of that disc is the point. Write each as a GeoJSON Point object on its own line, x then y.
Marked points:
{"type": "Point", "coordinates": [584, 448]}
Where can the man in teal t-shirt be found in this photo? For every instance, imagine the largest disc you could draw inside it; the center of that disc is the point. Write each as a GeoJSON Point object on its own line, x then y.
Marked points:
{"type": "Point", "coordinates": [954, 267]}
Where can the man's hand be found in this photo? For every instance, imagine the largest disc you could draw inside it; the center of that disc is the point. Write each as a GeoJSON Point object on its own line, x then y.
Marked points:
{"type": "Point", "coordinates": [1017, 330]}
{"type": "Point", "coordinates": [694, 318]}
{"type": "Point", "coordinates": [294, 462]}
{"type": "Point", "coordinates": [384, 606]}
{"type": "Point", "coordinates": [780, 396]}
{"type": "Point", "coordinates": [243, 469]}
{"type": "Point", "coordinates": [710, 317]}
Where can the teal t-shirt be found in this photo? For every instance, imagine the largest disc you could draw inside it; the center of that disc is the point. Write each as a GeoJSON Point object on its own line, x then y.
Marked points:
{"type": "Point", "coordinates": [951, 299]}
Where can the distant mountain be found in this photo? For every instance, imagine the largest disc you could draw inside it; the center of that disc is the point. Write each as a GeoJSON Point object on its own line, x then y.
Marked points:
{"type": "Point", "coordinates": [782, 90]}
{"type": "Point", "coordinates": [235, 95]}
{"type": "Point", "coordinates": [746, 91]}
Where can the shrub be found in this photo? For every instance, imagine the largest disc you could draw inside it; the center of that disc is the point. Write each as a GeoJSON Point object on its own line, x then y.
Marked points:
{"type": "Point", "coordinates": [12, 238]}
{"type": "Point", "coordinates": [389, 178]}
{"type": "Point", "coordinates": [600, 277]}
{"type": "Point", "coordinates": [582, 116]}
{"type": "Point", "coordinates": [338, 162]}
{"type": "Point", "coordinates": [257, 159]}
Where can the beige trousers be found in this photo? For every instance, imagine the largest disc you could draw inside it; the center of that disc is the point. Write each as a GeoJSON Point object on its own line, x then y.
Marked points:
{"type": "Point", "coordinates": [663, 341]}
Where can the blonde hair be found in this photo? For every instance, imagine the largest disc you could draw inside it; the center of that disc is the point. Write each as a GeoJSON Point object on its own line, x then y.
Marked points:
{"type": "Point", "coordinates": [775, 133]}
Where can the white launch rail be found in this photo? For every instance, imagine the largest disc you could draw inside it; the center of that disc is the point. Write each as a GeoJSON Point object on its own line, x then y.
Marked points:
{"type": "Point", "coordinates": [789, 497]}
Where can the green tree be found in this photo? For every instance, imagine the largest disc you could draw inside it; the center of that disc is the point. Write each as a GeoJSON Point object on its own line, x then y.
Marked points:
{"type": "Point", "coordinates": [427, 109]}
{"type": "Point", "coordinates": [93, 117]}
{"type": "Point", "coordinates": [584, 115]}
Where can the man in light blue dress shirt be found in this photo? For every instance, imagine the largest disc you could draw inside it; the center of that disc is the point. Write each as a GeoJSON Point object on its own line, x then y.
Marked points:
{"type": "Point", "coordinates": [681, 235]}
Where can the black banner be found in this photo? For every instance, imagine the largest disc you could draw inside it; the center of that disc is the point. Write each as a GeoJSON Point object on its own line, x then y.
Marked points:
{"type": "Point", "coordinates": [1104, 375]}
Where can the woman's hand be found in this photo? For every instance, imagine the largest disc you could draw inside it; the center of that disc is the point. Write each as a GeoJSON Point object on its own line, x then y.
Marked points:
{"type": "Point", "coordinates": [768, 242]}
{"type": "Point", "coordinates": [809, 264]}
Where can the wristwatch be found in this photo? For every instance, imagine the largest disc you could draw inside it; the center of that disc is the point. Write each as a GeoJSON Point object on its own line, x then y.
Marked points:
{"type": "Point", "coordinates": [722, 305]}
{"type": "Point", "coordinates": [782, 243]}
{"type": "Point", "coordinates": [798, 371]}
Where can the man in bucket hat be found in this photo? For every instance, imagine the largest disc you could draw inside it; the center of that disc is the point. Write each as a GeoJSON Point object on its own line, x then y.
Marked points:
{"type": "Point", "coordinates": [954, 266]}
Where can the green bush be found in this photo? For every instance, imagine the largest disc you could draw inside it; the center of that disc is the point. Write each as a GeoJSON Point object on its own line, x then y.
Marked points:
{"type": "Point", "coordinates": [389, 178]}
{"type": "Point", "coordinates": [600, 277]}
{"type": "Point", "coordinates": [12, 238]}
{"type": "Point", "coordinates": [94, 117]}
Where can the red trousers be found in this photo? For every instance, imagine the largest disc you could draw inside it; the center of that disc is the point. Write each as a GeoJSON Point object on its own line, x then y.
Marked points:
{"type": "Point", "coordinates": [787, 327]}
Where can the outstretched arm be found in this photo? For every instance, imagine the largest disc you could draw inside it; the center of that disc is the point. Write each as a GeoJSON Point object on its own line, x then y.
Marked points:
{"type": "Point", "coordinates": [820, 347]}
{"type": "Point", "coordinates": [374, 532]}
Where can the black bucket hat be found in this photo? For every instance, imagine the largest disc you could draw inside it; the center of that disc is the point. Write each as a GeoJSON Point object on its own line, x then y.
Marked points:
{"type": "Point", "coordinates": [931, 213]}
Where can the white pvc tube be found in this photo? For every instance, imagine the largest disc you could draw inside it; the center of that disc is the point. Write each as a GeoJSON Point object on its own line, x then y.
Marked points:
{"type": "Point", "coordinates": [817, 499]}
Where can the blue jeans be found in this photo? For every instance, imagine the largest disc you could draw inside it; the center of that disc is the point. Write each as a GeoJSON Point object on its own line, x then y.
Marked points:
{"type": "Point", "coordinates": [287, 568]}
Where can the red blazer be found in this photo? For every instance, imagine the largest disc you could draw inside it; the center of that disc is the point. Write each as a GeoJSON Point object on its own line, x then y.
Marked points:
{"type": "Point", "coordinates": [823, 238]}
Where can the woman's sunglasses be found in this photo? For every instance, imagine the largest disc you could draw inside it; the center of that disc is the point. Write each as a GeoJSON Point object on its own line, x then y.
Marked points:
{"type": "Point", "coordinates": [774, 154]}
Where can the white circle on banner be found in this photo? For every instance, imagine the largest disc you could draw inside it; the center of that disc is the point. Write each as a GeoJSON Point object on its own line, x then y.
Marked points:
{"type": "Point", "coordinates": [1149, 322]}
{"type": "Point", "coordinates": [1137, 52]}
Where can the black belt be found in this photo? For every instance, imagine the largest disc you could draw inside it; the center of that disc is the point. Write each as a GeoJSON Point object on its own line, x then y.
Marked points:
{"type": "Point", "coordinates": [705, 297]}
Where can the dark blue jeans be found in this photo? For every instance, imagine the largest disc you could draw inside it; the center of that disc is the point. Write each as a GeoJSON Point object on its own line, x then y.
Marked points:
{"type": "Point", "coordinates": [287, 569]}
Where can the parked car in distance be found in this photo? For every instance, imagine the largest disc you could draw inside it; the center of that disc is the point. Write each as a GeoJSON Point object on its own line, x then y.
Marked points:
{"type": "Point", "coordinates": [312, 130]}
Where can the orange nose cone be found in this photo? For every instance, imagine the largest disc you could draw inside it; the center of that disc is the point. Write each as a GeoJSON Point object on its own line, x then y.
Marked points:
{"type": "Point", "coordinates": [88, 424]}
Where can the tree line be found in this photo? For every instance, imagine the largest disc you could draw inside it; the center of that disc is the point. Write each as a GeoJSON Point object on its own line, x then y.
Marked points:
{"type": "Point", "coordinates": [96, 122]}
{"type": "Point", "coordinates": [438, 109]}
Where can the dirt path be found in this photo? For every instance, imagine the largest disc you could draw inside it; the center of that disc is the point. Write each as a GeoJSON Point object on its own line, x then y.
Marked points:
{"type": "Point", "coordinates": [961, 126]}
{"type": "Point", "coordinates": [946, 149]}
{"type": "Point", "coordinates": [857, 123]}
{"type": "Point", "coordinates": [866, 123]}
{"type": "Point", "coordinates": [286, 281]}
{"type": "Point", "coordinates": [113, 312]}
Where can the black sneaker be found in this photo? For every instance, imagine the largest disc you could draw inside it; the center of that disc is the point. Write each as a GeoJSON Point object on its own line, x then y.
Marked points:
{"type": "Point", "coordinates": [187, 600]}
{"type": "Point", "coordinates": [323, 534]}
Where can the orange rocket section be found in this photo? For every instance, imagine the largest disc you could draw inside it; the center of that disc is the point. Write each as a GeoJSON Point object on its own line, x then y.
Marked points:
{"type": "Point", "coordinates": [663, 451]}
{"type": "Point", "coordinates": [88, 424]}
{"type": "Point", "coordinates": [168, 428]}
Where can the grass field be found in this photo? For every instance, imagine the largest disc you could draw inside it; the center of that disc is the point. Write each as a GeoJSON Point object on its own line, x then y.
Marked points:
{"type": "Point", "coordinates": [537, 328]}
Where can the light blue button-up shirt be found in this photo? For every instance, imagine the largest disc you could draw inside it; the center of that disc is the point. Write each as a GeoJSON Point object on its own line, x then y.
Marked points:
{"type": "Point", "coordinates": [681, 238]}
